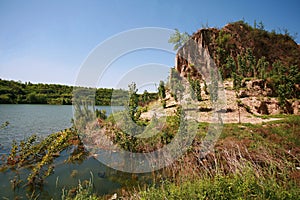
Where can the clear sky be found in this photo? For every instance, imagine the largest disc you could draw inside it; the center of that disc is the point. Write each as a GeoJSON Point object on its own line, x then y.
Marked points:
{"type": "Point", "coordinates": [47, 41]}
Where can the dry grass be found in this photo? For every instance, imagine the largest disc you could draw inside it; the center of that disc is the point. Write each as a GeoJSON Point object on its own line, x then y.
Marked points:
{"type": "Point", "coordinates": [252, 151]}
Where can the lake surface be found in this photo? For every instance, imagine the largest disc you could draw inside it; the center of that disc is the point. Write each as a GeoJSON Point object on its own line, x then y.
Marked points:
{"type": "Point", "coordinates": [42, 120]}
{"type": "Point", "coordinates": [25, 120]}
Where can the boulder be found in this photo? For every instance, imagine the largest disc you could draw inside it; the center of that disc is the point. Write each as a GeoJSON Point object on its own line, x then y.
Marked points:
{"type": "Point", "coordinates": [296, 107]}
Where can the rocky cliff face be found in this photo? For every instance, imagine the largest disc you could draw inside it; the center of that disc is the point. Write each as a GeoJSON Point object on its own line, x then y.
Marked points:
{"type": "Point", "coordinates": [212, 47]}
{"type": "Point", "coordinates": [196, 52]}
{"type": "Point", "coordinates": [234, 39]}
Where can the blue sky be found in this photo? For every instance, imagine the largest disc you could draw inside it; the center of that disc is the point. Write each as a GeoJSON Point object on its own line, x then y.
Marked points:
{"type": "Point", "coordinates": [48, 41]}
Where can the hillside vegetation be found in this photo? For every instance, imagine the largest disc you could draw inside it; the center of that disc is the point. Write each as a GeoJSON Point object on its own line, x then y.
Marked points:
{"type": "Point", "coordinates": [12, 92]}
{"type": "Point", "coordinates": [242, 53]}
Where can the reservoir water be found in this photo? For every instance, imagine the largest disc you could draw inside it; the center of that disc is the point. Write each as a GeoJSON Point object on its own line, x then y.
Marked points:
{"type": "Point", "coordinates": [42, 120]}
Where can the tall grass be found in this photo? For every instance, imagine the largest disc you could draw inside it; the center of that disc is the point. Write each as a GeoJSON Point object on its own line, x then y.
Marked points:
{"type": "Point", "coordinates": [232, 174]}
{"type": "Point", "coordinates": [84, 191]}
{"type": "Point", "coordinates": [252, 162]}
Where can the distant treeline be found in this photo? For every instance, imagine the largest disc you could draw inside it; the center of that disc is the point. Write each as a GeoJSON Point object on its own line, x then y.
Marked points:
{"type": "Point", "coordinates": [12, 92]}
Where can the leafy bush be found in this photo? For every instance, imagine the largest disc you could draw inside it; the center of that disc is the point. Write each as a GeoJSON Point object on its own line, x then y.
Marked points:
{"type": "Point", "coordinates": [84, 191]}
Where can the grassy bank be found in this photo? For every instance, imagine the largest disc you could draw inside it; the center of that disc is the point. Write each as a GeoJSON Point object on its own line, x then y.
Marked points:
{"type": "Point", "coordinates": [249, 161]}
{"type": "Point", "coordinates": [245, 184]}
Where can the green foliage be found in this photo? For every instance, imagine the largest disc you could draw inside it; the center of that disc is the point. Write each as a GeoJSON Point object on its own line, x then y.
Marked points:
{"type": "Point", "coordinates": [254, 50]}
{"type": "Point", "coordinates": [262, 66]}
{"type": "Point", "coordinates": [178, 39]}
{"type": "Point", "coordinates": [230, 68]}
{"type": "Point", "coordinates": [133, 101]}
{"type": "Point", "coordinates": [124, 133]}
{"type": "Point", "coordinates": [84, 191]}
{"type": "Point", "coordinates": [101, 114]}
{"type": "Point", "coordinates": [213, 86]}
{"type": "Point", "coordinates": [242, 65]}
{"type": "Point", "coordinates": [223, 39]}
{"type": "Point", "coordinates": [162, 93]}
{"type": "Point", "coordinates": [5, 124]}
{"type": "Point", "coordinates": [281, 79]}
{"type": "Point", "coordinates": [223, 48]}
{"type": "Point", "coordinates": [161, 90]}
{"type": "Point", "coordinates": [195, 88]}
{"type": "Point", "coordinates": [240, 186]}
{"type": "Point", "coordinates": [164, 103]}
{"type": "Point", "coordinates": [284, 82]}
{"type": "Point", "coordinates": [34, 98]}
{"type": "Point", "coordinates": [38, 156]}
{"type": "Point", "coordinates": [106, 96]}
{"type": "Point", "coordinates": [159, 132]}
{"type": "Point", "coordinates": [250, 178]}
{"type": "Point", "coordinates": [237, 81]}
{"type": "Point", "coordinates": [12, 92]}
{"type": "Point", "coordinates": [84, 113]}
{"type": "Point", "coordinates": [145, 97]}
{"type": "Point", "coordinates": [176, 86]}
{"type": "Point", "coordinates": [250, 63]}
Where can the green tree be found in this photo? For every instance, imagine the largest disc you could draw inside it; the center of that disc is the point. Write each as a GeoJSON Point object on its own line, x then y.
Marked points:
{"type": "Point", "coordinates": [242, 65]}
{"type": "Point", "coordinates": [230, 68]}
{"type": "Point", "coordinates": [178, 39]}
{"type": "Point", "coordinates": [145, 96]}
{"type": "Point", "coordinates": [133, 100]}
{"type": "Point", "coordinates": [286, 78]}
{"type": "Point", "coordinates": [162, 93]}
{"type": "Point", "coordinates": [237, 81]}
{"type": "Point", "coordinates": [198, 90]}
{"type": "Point", "coordinates": [294, 77]}
{"type": "Point", "coordinates": [191, 82]}
{"type": "Point", "coordinates": [37, 98]}
{"type": "Point", "coordinates": [223, 42]}
{"type": "Point", "coordinates": [251, 63]}
{"type": "Point", "coordinates": [195, 88]}
{"type": "Point", "coordinates": [176, 86]}
{"type": "Point", "coordinates": [161, 90]}
{"type": "Point", "coordinates": [262, 65]}
{"type": "Point", "coordinates": [213, 87]}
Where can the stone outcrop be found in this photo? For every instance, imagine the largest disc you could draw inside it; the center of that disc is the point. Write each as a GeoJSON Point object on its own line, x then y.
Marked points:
{"type": "Point", "coordinates": [196, 56]}
{"type": "Point", "coordinates": [255, 87]}
{"type": "Point", "coordinates": [200, 54]}
{"type": "Point", "coordinates": [241, 37]}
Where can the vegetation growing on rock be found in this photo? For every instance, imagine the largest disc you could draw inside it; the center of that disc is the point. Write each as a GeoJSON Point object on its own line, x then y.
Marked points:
{"type": "Point", "coordinates": [240, 52]}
